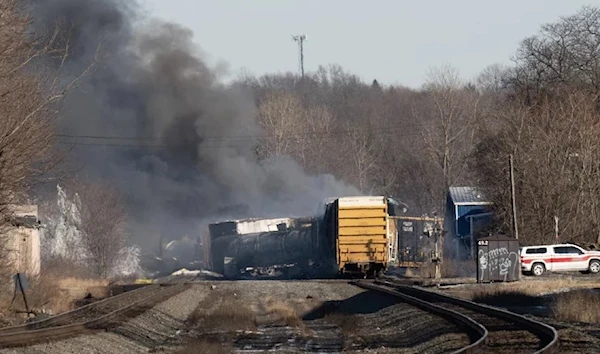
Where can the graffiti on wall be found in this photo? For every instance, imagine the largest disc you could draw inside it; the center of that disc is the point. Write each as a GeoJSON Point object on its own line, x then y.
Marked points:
{"type": "Point", "coordinates": [498, 260]}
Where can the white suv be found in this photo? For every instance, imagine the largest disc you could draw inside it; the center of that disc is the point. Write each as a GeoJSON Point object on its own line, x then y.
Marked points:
{"type": "Point", "coordinates": [558, 258]}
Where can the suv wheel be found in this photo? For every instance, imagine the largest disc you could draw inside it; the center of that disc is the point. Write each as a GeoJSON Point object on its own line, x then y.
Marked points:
{"type": "Point", "coordinates": [594, 266]}
{"type": "Point", "coordinates": [538, 269]}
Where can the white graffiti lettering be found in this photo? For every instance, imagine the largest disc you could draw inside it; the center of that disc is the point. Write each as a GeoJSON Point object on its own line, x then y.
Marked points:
{"type": "Point", "coordinates": [497, 260]}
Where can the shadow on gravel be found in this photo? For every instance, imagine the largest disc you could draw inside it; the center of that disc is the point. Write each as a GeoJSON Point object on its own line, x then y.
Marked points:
{"type": "Point", "coordinates": [372, 320]}
{"type": "Point", "coordinates": [363, 303]}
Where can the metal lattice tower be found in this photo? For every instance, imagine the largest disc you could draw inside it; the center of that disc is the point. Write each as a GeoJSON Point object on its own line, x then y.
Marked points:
{"type": "Point", "coordinates": [300, 38]}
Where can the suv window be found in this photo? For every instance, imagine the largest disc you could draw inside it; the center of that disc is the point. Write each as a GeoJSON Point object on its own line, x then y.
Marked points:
{"type": "Point", "coordinates": [567, 250]}
{"type": "Point", "coordinates": [539, 250]}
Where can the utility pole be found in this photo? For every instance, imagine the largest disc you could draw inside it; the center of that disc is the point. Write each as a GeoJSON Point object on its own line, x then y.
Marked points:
{"type": "Point", "coordinates": [300, 38]}
{"type": "Point", "coordinates": [556, 227]}
{"type": "Point", "coordinates": [437, 259]}
{"type": "Point", "coordinates": [512, 197]}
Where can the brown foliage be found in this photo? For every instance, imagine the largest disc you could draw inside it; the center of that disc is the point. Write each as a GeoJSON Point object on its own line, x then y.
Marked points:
{"type": "Point", "coordinates": [554, 143]}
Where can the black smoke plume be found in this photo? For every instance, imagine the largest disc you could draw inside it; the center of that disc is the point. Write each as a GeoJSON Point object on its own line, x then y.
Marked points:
{"type": "Point", "coordinates": [188, 152]}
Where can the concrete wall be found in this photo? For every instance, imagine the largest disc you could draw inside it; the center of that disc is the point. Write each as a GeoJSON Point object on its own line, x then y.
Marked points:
{"type": "Point", "coordinates": [24, 241]}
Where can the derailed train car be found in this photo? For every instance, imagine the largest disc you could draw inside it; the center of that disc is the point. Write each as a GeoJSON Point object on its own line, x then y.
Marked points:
{"type": "Point", "coordinates": [350, 235]}
{"type": "Point", "coordinates": [360, 232]}
{"type": "Point", "coordinates": [287, 253]}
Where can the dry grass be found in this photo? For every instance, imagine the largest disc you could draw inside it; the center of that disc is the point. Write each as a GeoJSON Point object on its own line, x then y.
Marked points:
{"type": "Point", "coordinates": [55, 294]}
{"type": "Point", "coordinates": [52, 294]}
{"type": "Point", "coordinates": [577, 306]}
{"type": "Point", "coordinates": [525, 287]}
{"type": "Point", "coordinates": [283, 312]}
{"type": "Point", "coordinates": [54, 291]}
{"type": "Point", "coordinates": [232, 318]}
{"type": "Point", "coordinates": [223, 312]}
{"type": "Point", "coordinates": [7, 316]}
{"type": "Point", "coordinates": [72, 282]}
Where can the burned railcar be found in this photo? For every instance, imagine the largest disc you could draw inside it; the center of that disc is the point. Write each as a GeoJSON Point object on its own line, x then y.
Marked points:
{"type": "Point", "coordinates": [288, 253]}
{"type": "Point", "coordinates": [294, 250]}
{"type": "Point", "coordinates": [350, 235]}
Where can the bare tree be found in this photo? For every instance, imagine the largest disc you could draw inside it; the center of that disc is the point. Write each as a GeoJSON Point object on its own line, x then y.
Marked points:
{"type": "Point", "coordinates": [103, 226]}
{"type": "Point", "coordinates": [30, 94]}
{"type": "Point", "coordinates": [297, 130]}
{"type": "Point", "coordinates": [447, 114]}
{"type": "Point", "coordinates": [281, 115]}
{"type": "Point", "coordinates": [363, 157]}
{"type": "Point", "coordinates": [318, 137]}
{"type": "Point", "coordinates": [563, 53]}
{"type": "Point", "coordinates": [25, 135]}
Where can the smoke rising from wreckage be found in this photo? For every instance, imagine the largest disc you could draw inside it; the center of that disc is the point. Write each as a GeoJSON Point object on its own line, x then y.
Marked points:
{"type": "Point", "coordinates": [183, 164]}
{"type": "Point", "coordinates": [352, 236]}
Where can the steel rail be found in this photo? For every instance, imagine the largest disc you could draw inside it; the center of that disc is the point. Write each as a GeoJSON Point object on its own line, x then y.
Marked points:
{"type": "Point", "coordinates": [65, 317]}
{"type": "Point", "coordinates": [30, 336]}
{"type": "Point", "coordinates": [546, 333]}
{"type": "Point", "coordinates": [477, 333]}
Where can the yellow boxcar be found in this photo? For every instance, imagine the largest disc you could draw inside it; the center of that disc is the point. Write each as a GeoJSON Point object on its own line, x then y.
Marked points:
{"type": "Point", "coordinates": [362, 234]}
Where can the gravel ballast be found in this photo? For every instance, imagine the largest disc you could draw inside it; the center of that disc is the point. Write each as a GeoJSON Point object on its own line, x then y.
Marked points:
{"type": "Point", "coordinates": [156, 330]}
{"type": "Point", "coordinates": [314, 316]}
{"type": "Point", "coordinates": [252, 316]}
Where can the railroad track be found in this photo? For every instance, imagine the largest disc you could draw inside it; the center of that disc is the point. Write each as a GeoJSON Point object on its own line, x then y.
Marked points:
{"type": "Point", "coordinates": [490, 330]}
{"type": "Point", "coordinates": [92, 317]}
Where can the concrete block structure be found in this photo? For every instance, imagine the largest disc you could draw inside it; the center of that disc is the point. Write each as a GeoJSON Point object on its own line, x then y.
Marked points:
{"type": "Point", "coordinates": [23, 240]}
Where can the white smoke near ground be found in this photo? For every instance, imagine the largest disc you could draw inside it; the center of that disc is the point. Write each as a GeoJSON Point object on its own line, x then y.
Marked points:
{"type": "Point", "coordinates": [61, 237]}
{"type": "Point", "coordinates": [163, 129]}
{"type": "Point", "coordinates": [129, 262]}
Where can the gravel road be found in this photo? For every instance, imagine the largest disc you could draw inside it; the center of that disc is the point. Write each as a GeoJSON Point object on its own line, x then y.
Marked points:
{"type": "Point", "coordinates": [156, 330]}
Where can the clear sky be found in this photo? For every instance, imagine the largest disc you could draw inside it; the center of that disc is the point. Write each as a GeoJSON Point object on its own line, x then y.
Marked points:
{"type": "Point", "coordinates": [393, 41]}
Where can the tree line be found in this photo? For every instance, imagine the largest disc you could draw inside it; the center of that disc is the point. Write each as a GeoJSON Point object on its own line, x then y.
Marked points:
{"type": "Point", "coordinates": [415, 143]}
